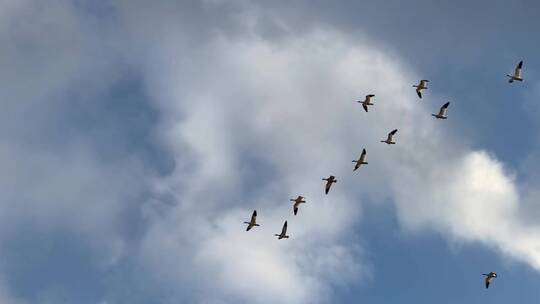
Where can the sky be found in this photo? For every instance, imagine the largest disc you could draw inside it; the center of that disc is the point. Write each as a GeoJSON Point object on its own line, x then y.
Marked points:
{"type": "Point", "coordinates": [137, 136]}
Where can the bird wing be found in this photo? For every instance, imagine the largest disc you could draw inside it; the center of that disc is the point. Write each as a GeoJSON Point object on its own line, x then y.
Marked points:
{"type": "Point", "coordinates": [418, 93]}
{"type": "Point", "coordinates": [444, 109]}
{"type": "Point", "coordinates": [365, 107]}
{"type": "Point", "coordinates": [517, 72]}
{"type": "Point", "coordinates": [328, 185]}
{"type": "Point", "coordinates": [253, 217]}
{"type": "Point", "coordinates": [284, 229]}
{"type": "Point", "coordinates": [391, 135]}
{"type": "Point", "coordinates": [363, 156]}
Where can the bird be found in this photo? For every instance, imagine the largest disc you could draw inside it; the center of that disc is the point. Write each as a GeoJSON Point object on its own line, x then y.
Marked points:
{"type": "Point", "coordinates": [329, 181]}
{"type": "Point", "coordinates": [253, 221]}
{"type": "Point", "coordinates": [390, 138]}
{"type": "Point", "coordinates": [489, 277]}
{"type": "Point", "coordinates": [283, 234]}
{"type": "Point", "coordinates": [366, 102]}
{"type": "Point", "coordinates": [421, 86]}
{"type": "Point", "coordinates": [442, 111]}
{"type": "Point", "coordinates": [517, 73]}
{"type": "Point", "coordinates": [297, 201]}
{"type": "Point", "coordinates": [361, 160]}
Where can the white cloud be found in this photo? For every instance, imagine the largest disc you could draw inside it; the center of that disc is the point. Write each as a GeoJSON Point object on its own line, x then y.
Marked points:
{"type": "Point", "coordinates": [254, 122]}
{"type": "Point", "coordinates": [251, 121]}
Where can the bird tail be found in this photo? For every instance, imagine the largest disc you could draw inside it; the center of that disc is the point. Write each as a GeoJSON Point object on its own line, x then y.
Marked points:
{"type": "Point", "coordinates": [511, 78]}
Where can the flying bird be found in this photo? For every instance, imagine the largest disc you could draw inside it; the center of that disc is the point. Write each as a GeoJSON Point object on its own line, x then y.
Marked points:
{"type": "Point", "coordinates": [517, 73]}
{"type": "Point", "coordinates": [253, 221]}
{"type": "Point", "coordinates": [366, 102]}
{"type": "Point", "coordinates": [283, 232]}
{"type": "Point", "coordinates": [442, 111]}
{"type": "Point", "coordinates": [390, 139]}
{"type": "Point", "coordinates": [329, 181]}
{"type": "Point", "coordinates": [489, 277]}
{"type": "Point", "coordinates": [421, 86]}
{"type": "Point", "coordinates": [361, 160]}
{"type": "Point", "coordinates": [297, 201]}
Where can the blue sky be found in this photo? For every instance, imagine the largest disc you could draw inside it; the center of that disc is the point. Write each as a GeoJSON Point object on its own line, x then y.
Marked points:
{"type": "Point", "coordinates": [136, 137]}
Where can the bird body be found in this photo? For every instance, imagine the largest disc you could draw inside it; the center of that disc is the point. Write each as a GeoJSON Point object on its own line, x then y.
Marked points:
{"type": "Point", "coordinates": [297, 201]}
{"type": "Point", "coordinates": [360, 161]}
{"type": "Point", "coordinates": [253, 221]}
{"type": "Point", "coordinates": [390, 139]}
{"type": "Point", "coordinates": [442, 111]}
{"type": "Point", "coordinates": [489, 277]}
{"type": "Point", "coordinates": [329, 181]}
{"type": "Point", "coordinates": [421, 86]}
{"type": "Point", "coordinates": [517, 73]}
{"type": "Point", "coordinates": [283, 234]}
{"type": "Point", "coordinates": [367, 102]}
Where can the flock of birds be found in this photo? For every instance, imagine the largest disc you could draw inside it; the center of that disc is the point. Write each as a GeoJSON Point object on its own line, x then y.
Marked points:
{"type": "Point", "coordinates": [442, 114]}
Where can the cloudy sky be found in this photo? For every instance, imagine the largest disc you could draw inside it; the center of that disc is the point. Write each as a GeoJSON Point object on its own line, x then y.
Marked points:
{"type": "Point", "coordinates": [137, 136]}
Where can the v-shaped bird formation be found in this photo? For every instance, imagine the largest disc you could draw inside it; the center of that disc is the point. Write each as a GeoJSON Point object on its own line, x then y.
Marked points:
{"type": "Point", "coordinates": [390, 140]}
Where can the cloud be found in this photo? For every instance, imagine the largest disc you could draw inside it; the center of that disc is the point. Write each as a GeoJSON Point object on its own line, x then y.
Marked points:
{"type": "Point", "coordinates": [253, 112]}
{"type": "Point", "coordinates": [254, 121]}
{"type": "Point", "coordinates": [58, 177]}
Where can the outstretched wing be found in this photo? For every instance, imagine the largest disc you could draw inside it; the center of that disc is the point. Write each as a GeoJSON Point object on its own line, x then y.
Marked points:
{"type": "Point", "coordinates": [418, 93]}
{"type": "Point", "coordinates": [517, 72]}
{"type": "Point", "coordinates": [363, 155]}
{"type": "Point", "coordinates": [444, 109]}
{"type": "Point", "coordinates": [284, 229]}
{"type": "Point", "coordinates": [365, 107]}
{"type": "Point", "coordinates": [391, 135]}
{"type": "Point", "coordinates": [254, 217]}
